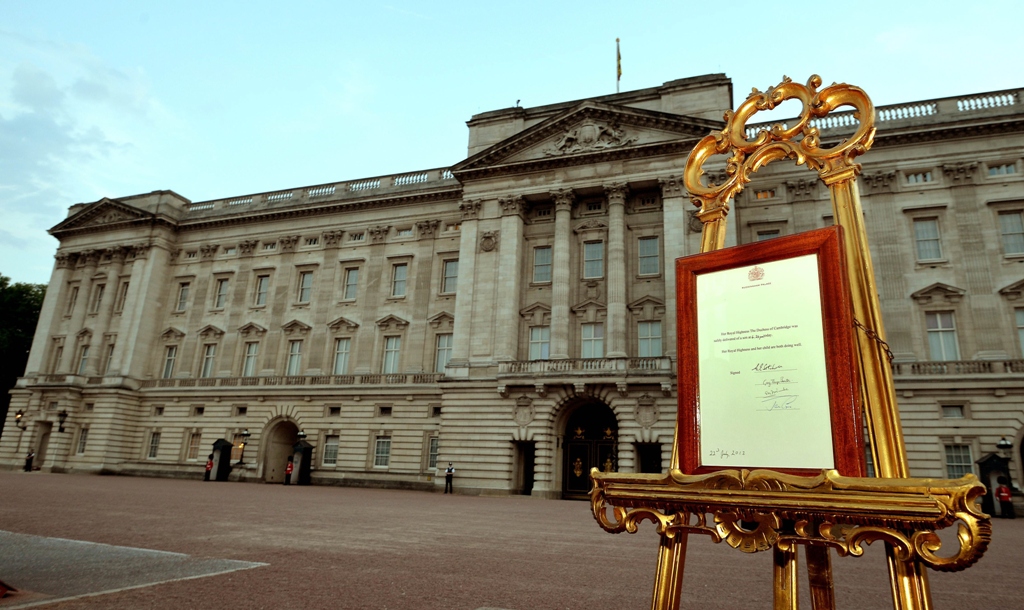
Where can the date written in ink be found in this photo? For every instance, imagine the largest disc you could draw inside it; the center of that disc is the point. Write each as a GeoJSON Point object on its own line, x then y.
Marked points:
{"type": "Point", "coordinates": [725, 454]}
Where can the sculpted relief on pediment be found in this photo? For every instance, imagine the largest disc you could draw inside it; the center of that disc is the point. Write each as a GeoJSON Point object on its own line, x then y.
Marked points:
{"type": "Point", "coordinates": [107, 217]}
{"type": "Point", "coordinates": [590, 136]}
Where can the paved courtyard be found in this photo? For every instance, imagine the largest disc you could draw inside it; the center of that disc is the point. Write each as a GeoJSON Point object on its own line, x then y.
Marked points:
{"type": "Point", "coordinates": [122, 542]}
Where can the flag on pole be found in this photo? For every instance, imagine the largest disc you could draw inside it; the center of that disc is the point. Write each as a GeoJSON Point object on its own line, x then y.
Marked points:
{"type": "Point", "coordinates": [618, 65]}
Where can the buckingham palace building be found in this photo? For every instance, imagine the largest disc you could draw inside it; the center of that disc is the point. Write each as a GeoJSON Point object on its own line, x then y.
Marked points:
{"type": "Point", "coordinates": [514, 313]}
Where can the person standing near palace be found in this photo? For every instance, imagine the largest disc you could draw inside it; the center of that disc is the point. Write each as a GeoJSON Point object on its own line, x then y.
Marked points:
{"type": "Point", "coordinates": [1005, 496]}
{"type": "Point", "coordinates": [209, 467]}
{"type": "Point", "coordinates": [288, 471]}
{"type": "Point", "coordinates": [449, 474]}
{"type": "Point", "coordinates": [31, 455]}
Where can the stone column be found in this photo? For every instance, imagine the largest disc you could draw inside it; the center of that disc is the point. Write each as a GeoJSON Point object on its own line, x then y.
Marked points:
{"type": "Point", "coordinates": [617, 269]}
{"type": "Point", "coordinates": [49, 316]}
{"type": "Point", "coordinates": [104, 310]}
{"type": "Point", "coordinates": [144, 309]}
{"type": "Point", "coordinates": [560, 276]}
{"type": "Point", "coordinates": [458, 365]}
{"type": "Point", "coordinates": [674, 207]}
{"type": "Point", "coordinates": [72, 345]}
{"type": "Point", "coordinates": [510, 276]}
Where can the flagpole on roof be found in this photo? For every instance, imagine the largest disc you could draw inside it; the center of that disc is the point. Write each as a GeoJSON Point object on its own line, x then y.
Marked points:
{"type": "Point", "coordinates": [618, 65]}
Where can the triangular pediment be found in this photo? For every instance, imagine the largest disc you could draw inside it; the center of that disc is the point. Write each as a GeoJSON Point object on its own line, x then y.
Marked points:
{"type": "Point", "coordinates": [104, 213]}
{"type": "Point", "coordinates": [209, 331]}
{"type": "Point", "coordinates": [588, 305]}
{"type": "Point", "coordinates": [939, 293]}
{"type": "Point", "coordinates": [296, 327]}
{"type": "Point", "coordinates": [343, 324]}
{"type": "Point", "coordinates": [172, 334]}
{"type": "Point", "coordinates": [1014, 291]}
{"type": "Point", "coordinates": [647, 307]}
{"type": "Point", "coordinates": [392, 322]}
{"type": "Point", "coordinates": [251, 329]}
{"type": "Point", "coordinates": [441, 320]}
{"type": "Point", "coordinates": [585, 130]}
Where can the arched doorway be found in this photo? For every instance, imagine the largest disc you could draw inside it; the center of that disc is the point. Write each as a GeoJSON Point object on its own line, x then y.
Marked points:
{"type": "Point", "coordinates": [278, 446]}
{"type": "Point", "coordinates": [590, 440]}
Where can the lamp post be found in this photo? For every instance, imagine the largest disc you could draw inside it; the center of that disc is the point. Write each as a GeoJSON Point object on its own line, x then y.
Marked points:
{"type": "Point", "coordinates": [302, 435]}
{"type": "Point", "coordinates": [1004, 446]}
{"type": "Point", "coordinates": [19, 419]}
{"type": "Point", "coordinates": [245, 441]}
{"type": "Point", "coordinates": [61, 418]}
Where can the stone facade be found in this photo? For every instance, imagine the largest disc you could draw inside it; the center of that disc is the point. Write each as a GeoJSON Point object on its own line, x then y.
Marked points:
{"type": "Point", "coordinates": [512, 314]}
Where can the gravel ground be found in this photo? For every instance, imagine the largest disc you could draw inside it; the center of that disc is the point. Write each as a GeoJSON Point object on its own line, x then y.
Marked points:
{"type": "Point", "coordinates": [331, 547]}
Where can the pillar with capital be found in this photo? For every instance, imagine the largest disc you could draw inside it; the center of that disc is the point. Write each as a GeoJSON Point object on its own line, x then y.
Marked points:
{"type": "Point", "coordinates": [616, 194]}
{"type": "Point", "coordinates": [674, 207]}
{"type": "Point", "coordinates": [49, 314]}
{"type": "Point", "coordinates": [564, 200]}
{"type": "Point", "coordinates": [509, 277]}
{"type": "Point", "coordinates": [459, 362]}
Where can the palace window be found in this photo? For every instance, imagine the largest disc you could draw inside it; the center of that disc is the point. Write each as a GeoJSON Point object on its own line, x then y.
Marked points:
{"type": "Point", "coordinates": [305, 286]}
{"type": "Point", "coordinates": [83, 359]}
{"type": "Point", "coordinates": [193, 446]}
{"type": "Point", "coordinates": [1011, 227]}
{"type": "Point", "coordinates": [252, 351]}
{"type": "Point", "coordinates": [209, 359]}
{"type": "Point", "coordinates": [183, 288]}
{"type": "Point", "coordinates": [351, 283]}
{"type": "Point", "coordinates": [764, 194]}
{"type": "Point", "coordinates": [942, 340]}
{"type": "Point", "coordinates": [170, 355]}
{"type": "Point", "coordinates": [540, 342]}
{"type": "Point", "coordinates": [58, 355]}
{"type": "Point", "coordinates": [926, 236]}
{"type": "Point", "coordinates": [341, 351]}
{"type": "Point", "coordinates": [331, 450]}
{"type": "Point", "coordinates": [392, 349]}
{"type": "Point", "coordinates": [433, 444]}
{"type": "Point", "coordinates": [154, 445]}
{"type": "Point", "coordinates": [592, 342]}
{"type": "Point", "coordinates": [220, 298]}
{"type": "Point", "coordinates": [406, 232]}
{"type": "Point", "coordinates": [1002, 170]}
{"type": "Point", "coordinates": [382, 452]}
{"type": "Point", "coordinates": [83, 438]}
{"type": "Point", "coordinates": [443, 352]}
{"type": "Point", "coordinates": [649, 339]}
{"type": "Point", "coordinates": [108, 358]}
{"type": "Point", "coordinates": [1019, 318]}
{"type": "Point", "coordinates": [770, 234]}
{"type": "Point", "coordinates": [294, 357]}
{"type": "Point", "coordinates": [919, 178]}
{"type": "Point", "coordinates": [71, 301]}
{"type": "Point", "coordinates": [593, 259]}
{"type": "Point", "coordinates": [122, 296]}
{"type": "Point", "coordinates": [953, 411]}
{"type": "Point", "coordinates": [262, 287]}
{"type": "Point", "coordinates": [399, 275]}
{"type": "Point", "coordinates": [542, 265]}
{"type": "Point", "coordinates": [647, 249]}
{"type": "Point", "coordinates": [97, 298]}
{"type": "Point", "coordinates": [451, 276]}
{"type": "Point", "coordinates": [959, 461]}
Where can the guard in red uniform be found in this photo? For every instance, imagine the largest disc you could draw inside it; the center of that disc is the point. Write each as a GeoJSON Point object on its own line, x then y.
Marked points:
{"type": "Point", "coordinates": [288, 472]}
{"type": "Point", "coordinates": [209, 467]}
{"type": "Point", "coordinates": [1005, 497]}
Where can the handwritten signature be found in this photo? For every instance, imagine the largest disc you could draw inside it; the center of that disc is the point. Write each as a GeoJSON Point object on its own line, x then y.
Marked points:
{"type": "Point", "coordinates": [779, 402]}
{"type": "Point", "coordinates": [761, 367]}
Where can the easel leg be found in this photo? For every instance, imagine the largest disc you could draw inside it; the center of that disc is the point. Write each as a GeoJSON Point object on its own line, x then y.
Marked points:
{"type": "Point", "coordinates": [819, 573]}
{"type": "Point", "coordinates": [785, 578]}
{"type": "Point", "coordinates": [909, 581]}
{"type": "Point", "coordinates": [668, 580]}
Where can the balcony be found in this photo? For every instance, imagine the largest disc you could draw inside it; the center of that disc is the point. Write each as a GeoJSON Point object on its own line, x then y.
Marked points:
{"type": "Point", "coordinates": [295, 380]}
{"type": "Point", "coordinates": [619, 366]}
{"type": "Point", "coordinates": [951, 368]}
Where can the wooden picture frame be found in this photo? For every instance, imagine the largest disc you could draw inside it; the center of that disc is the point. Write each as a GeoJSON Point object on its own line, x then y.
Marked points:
{"type": "Point", "coordinates": [767, 360]}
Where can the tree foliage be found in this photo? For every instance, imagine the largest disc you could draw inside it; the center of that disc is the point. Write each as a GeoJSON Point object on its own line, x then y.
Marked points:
{"type": "Point", "coordinates": [20, 304]}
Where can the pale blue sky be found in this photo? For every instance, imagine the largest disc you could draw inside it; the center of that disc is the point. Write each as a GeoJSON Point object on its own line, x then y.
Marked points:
{"type": "Point", "coordinates": [212, 99]}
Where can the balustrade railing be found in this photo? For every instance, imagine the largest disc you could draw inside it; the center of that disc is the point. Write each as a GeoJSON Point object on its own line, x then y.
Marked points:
{"type": "Point", "coordinates": [957, 367]}
{"type": "Point", "coordinates": [295, 380]}
{"type": "Point", "coordinates": [585, 365]}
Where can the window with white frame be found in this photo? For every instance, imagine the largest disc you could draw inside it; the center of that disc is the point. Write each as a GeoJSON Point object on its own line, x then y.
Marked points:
{"type": "Point", "coordinates": [769, 234]}
{"type": "Point", "coordinates": [392, 349]}
{"type": "Point", "coordinates": [926, 237]}
{"type": "Point", "coordinates": [443, 353]}
{"type": "Point", "coordinates": [72, 299]}
{"type": "Point", "coordinates": [154, 445]}
{"type": "Point", "coordinates": [342, 347]}
{"type": "Point", "coordinates": [305, 286]}
{"type": "Point", "coordinates": [331, 450]}
{"type": "Point", "coordinates": [209, 359]}
{"type": "Point", "coordinates": [919, 177]}
{"type": "Point", "coordinates": [351, 283]}
{"type": "Point", "coordinates": [262, 288]}
{"type": "Point", "coordinates": [593, 259]}
{"type": "Point", "coordinates": [540, 342]}
{"type": "Point", "coordinates": [953, 411]}
{"type": "Point", "coordinates": [1002, 170]}
{"type": "Point", "coordinates": [1011, 228]}
{"type": "Point", "coordinates": [108, 358]}
{"type": "Point", "coordinates": [122, 296]}
{"type": "Point", "coordinates": [294, 357]}
{"type": "Point", "coordinates": [451, 276]}
{"type": "Point", "coordinates": [182, 303]}
{"type": "Point", "coordinates": [592, 340]}
{"type": "Point", "coordinates": [193, 446]}
{"type": "Point", "coordinates": [649, 258]}
{"type": "Point", "coordinates": [382, 452]}
{"type": "Point", "coordinates": [1019, 318]}
{"type": "Point", "coordinates": [83, 359]}
{"type": "Point", "coordinates": [58, 355]}
{"type": "Point", "coordinates": [433, 443]}
{"type": "Point", "coordinates": [97, 297]}
{"type": "Point", "coordinates": [542, 265]}
{"type": "Point", "coordinates": [649, 339]}
{"type": "Point", "coordinates": [220, 296]}
{"type": "Point", "coordinates": [83, 438]}
{"type": "Point", "coordinates": [252, 352]}
{"type": "Point", "coordinates": [942, 341]}
{"type": "Point", "coordinates": [399, 275]}
{"type": "Point", "coordinates": [959, 461]}
{"type": "Point", "coordinates": [170, 355]}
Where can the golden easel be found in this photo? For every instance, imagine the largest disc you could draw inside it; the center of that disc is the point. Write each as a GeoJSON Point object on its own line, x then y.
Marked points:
{"type": "Point", "coordinates": [828, 510]}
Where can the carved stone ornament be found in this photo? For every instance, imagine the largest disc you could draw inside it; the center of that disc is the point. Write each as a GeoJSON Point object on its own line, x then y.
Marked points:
{"type": "Point", "coordinates": [671, 186]}
{"type": "Point", "coordinates": [694, 224]}
{"type": "Point", "coordinates": [427, 228]}
{"type": "Point", "coordinates": [378, 233]}
{"type": "Point", "coordinates": [88, 257]}
{"type": "Point", "coordinates": [107, 217]}
{"type": "Point", "coordinates": [139, 251]}
{"type": "Point", "coordinates": [247, 247]}
{"type": "Point", "coordinates": [616, 192]}
{"type": "Point", "coordinates": [564, 198]}
{"type": "Point", "coordinates": [879, 182]}
{"type": "Point", "coordinates": [65, 260]}
{"type": "Point", "coordinates": [489, 241]}
{"type": "Point", "coordinates": [802, 189]}
{"type": "Point", "coordinates": [208, 251]}
{"type": "Point", "coordinates": [524, 411]}
{"type": "Point", "coordinates": [646, 411]}
{"type": "Point", "coordinates": [512, 206]}
{"type": "Point", "coordinates": [332, 239]}
{"type": "Point", "coordinates": [590, 225]}
{"type": "Point", "coordinates": [470, 209]}
{"type": "Point", "coordinates": [288, 242]}
{"type": "Point", "coordinates": [960, 173]}
{"type": "Point", "coordinates": [590, 136]}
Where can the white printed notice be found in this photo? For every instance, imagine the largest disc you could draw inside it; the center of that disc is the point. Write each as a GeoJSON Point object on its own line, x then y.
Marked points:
{"type": "Point", "coordinates": [763, 386]}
